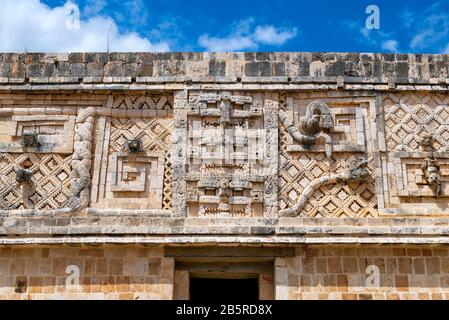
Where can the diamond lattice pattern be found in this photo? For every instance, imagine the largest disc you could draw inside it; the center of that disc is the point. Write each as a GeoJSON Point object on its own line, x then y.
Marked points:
{"type": "Point", "coordinates": [51, 177]}
{"type": "Point", "coordinates": [408, 116]}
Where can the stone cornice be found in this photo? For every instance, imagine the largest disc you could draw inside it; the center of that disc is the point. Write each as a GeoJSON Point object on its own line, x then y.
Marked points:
{"type": "Point", "coordinates": [116, 228]}
{"type": "Point", "coordinates": [223, 240]}
{"type": "Point", "coordinates": [76, 70]}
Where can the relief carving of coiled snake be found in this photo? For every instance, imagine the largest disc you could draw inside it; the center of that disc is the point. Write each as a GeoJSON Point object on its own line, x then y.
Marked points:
{"type": "Point", "coordinates": [312, 127]}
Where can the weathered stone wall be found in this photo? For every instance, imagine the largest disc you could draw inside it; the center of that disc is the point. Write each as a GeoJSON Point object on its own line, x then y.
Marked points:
{"type": "Point", "coordinates": [125, 272]}
{"type": "Point", "coordinates": [138, 272]}
{"type": "Point", "coordinates": [405, 273]}
{"type": "Point", "coordinates": [281, 149]}
{"type": "Point", "coordinates": [122, 67]}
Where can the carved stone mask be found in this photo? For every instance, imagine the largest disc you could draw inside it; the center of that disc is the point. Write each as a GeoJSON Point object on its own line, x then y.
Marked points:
{"type": "Point", "coordinates": [433, 176]}
{"type": "Point", "coordinates": [134, 145]}
{"type": "Point", "coordinates": [23, 176]}
{"type": "Point", "coordinates": [29, 139]}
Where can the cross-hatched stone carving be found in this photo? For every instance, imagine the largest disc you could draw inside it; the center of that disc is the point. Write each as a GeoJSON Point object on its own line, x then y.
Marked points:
{"type": "Point", "coordinates": [155, 134]}
{"type": "Point", "coordinates": [51, 175]}
{"type": "Point", "coordinates": [167, 189]}
{"type": "Point", "coordinates": [410, 116]}
{"type": "Point", "coordinates": [354, 199]}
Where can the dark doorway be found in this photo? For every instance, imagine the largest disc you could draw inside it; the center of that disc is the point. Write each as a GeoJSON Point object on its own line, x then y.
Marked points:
{"type": "Point", "coordinates": [217, 290]}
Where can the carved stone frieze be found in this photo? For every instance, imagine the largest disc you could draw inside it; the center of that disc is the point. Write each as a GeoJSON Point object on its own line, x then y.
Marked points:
{"type": "Point", "coordinates": [133, 148]}
{"type": "Point", "coordinates": [356, 169]}
{"type": "Point", "coordinates": [313, 180]}
{"type": "Point", "coordinates": [223, 153]}
{"type": "Point", "coordinates": [231, 153]}
{"type": "Point", "coordinates": [416, 132]}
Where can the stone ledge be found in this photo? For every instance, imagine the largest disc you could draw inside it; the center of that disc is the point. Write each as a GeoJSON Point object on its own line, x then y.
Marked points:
{"type": "Point", "coordinates": [122, 225]}
{"type": "Point", "coordinates": [223, 240]}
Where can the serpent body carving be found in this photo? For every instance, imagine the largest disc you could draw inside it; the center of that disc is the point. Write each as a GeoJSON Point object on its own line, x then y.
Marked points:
{"type": "Point", "coordinates": [356, 170]}
{"type": "Point", "coordinates": [312, 127]}
{"type": "Point", "coordinates": [82, 159]}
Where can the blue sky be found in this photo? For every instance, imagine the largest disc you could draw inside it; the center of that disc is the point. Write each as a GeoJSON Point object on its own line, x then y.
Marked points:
{"type": "Point", "coordinates": [234, 25]}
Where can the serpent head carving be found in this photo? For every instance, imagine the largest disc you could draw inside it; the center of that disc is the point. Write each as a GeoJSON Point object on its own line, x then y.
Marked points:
{"type": "Point", "coordinates": [357, 168]}
{"type": "Point", "coordinates": [318, 118]}
{"type": "Point", "coordinates": [312, 127]}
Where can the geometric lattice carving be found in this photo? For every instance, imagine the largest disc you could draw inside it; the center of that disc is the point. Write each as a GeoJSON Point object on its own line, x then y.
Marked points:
{"type": "Point", "coordinates": [354, 199]}
{"type": "Point", "coordinates": [155, 134]}
{"type": "Point", "coordinates": [410, 116]}
{"type": "Point", "coordinates": [298, 167]}
{"type": "Point", "coordinates": [144, 176]}
{"type": "Point", "coordinates": [51, 175]}
{"type": "Point", "coordinates": [416, 127]}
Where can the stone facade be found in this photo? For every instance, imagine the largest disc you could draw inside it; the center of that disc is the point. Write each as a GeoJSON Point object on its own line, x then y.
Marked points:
{"type": "Point", "coordinates": [405, 273]}
{"type": "Point", "coordinates": [323, 175]}
{"type": "Point", "coordinates": [105, 273]}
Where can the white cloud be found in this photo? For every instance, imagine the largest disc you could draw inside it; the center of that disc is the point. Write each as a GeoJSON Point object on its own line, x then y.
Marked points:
{"type": "Point", "coordinates": [33, 26]}
{"type": "Point", "coordinates": [408, 17]}
{"type": "Point", "coordinates": [431, 30]}
{"type": "Point", "coordinates": [243, 37]}
{"type": "Point", "coordinates": [137, 11]}
{"type": "Point", "coordinates": [390, 45]}
{"type": "Point", "coordinates": [231, 43]}
{"type": "Point", "coordinates": [271, 35]}
{"type": "Point", "coordinates": [428, 29]}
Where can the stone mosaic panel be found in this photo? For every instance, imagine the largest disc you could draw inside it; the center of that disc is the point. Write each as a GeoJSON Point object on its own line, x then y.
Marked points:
{"type": "Point", "coordinates": [409, 116]}
{"type": "Point", "coordinates": [355, 199]}
{"type": "Point", "coordinates": [231, 146]}
{"type": "Point", "coordinates": [417, 142]}
{"type": "Point", "coordinates": [50, 181]}
{"type": "Point", "coordinates": [302, 165]}
{"type": "Point", "coordinates": [139, 179]}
